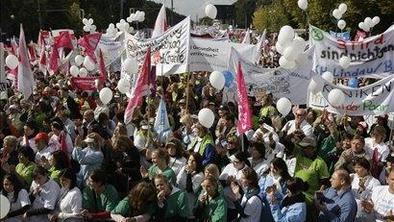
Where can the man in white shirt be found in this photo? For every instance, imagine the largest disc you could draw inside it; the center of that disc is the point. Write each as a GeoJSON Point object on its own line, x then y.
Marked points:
{"type": "Point", "coordinates": [381, 204]}
{"type": "Point", "coordinates": [299, 123]}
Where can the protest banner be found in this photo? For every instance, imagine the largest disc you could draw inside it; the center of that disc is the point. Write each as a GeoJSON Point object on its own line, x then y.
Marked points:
{"type": "Point", "coordinates": [112, 49]}
{"type": "Point", "coordinates": [374, 99]}
{"type": "Point", "coordinates": [84, 83]}
{"type": "Point", "coordinates": [279, 81]}
{"type": "Point", "coordinates": [212, 55]}
{"type": "Point", "coordinates": [170, 51]}
{"type": "Point", "coordinates": [373, 56]}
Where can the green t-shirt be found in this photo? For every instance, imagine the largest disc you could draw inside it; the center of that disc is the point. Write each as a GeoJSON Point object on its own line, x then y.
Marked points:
{"type": "Point", "coordinates": [26, 172]}
{"type": "Point", "coordinates": [215, 210]}
{"type": "Point", "coordinates": [106, 201]}
{"type": "Point", "coordinates": [54, 174]}
{"type": "Point", "coordinates": [123, 208]}
{"type": "Point", "coordinates": [311, 171]}
{"type": "Point", "coordinates": [167, 172]}
{"type": "Point", "coordinates": [267, 111]}
{"type": "Point", "coordinates": [177, 204]}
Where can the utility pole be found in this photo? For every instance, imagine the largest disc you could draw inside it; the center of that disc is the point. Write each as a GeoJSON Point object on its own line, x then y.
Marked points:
{"type": "Point", "coordinates": [172, 12]}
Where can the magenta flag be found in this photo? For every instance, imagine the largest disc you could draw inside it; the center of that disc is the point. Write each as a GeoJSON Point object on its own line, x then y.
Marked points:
{"type": "Point", "coordinates": [90, 42]}
{"type": "Point", "coordinates": [25, 75]}
{"type": "Point", "coordinates": [140, 89]}
{"type": "Point", "coordinates": [244, 114]}
{"type": "Point", "coordinates": [103, 71]}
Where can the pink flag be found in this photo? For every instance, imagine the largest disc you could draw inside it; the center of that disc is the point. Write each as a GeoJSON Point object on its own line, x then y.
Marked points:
{"type": "Point", "coordinates": [25, 75]}
{"type": "Point", "coordinates": [54, 59]}
{"type": "Point", "coordinates": [103, 71]}
{"type": "Point", "coordinates": [90, 42]}
{"type": "Point", "coordinates": [43, 60]}
{"type": "Point", "coordinates": [64, 40]}
{"type": "Point", "coordinates": [141, 86]}
{"type": "Point", "coordinates": [161, 23]}
{"type": "Point", "coordinates": [244, 114]}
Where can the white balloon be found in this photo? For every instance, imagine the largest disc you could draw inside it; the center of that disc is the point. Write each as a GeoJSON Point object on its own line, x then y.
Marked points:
{"type": "Point", "coordinates": [368, 22]}
{"type": "Point", "coordinates": [91, 21]}
{"type": "Point", "coordinates": [295, 48]}
{"type": "Point", "coordinates": [302, 4]}
{"type": "Point", "coordinates": [93, 28]}
{"type": "Point", "coordinates": [341, 24]}
{"type": "Point", "coordinates": [11, 61]}
{"type": "Point", "coordinates": [85, 21]}
{"type": "Point", "coordinates": [118, 25]}
{"type": "Point", "coordinates": [123, 85]}
{"type": "Point", "coordinates": [217, 80]}
{"type": "Point", "coordinates": [122, 21]}
{"type": "Point", "coordinates": [337, 14]}
{"type": "Point", "coordinates": [375, 20]}
{"type": "Point", "coordinates": [314, 87]}
{"type": "Point", "coordinates": [336, 97]}
{"type": "Point", "coordinates": [206, 117]}
{"type": "Point", "coordinates": [279, 48]}
{"type": "Point", "coordinates": [83, 72]}
{"type": "Point", "coordinates": [361, 25]}
{"type": "Point", "coordinates": [4, 206]}
{"type": "Point", "coordinates": [286, 35]}
{"type": "Point", "coordinates": [328, 76]}
{"type": "Point", "coordinates": [79, 60]}
{"type": "Point", "coordinates": [111, 25]}
{"type": "Point", "coordinates": [129, 19]}
{"type": "Point", "coordinates": [286, 64]}
{"type": "Point", "coordinates": [283, 105]}
{"type": "Point", "coordinates": [342, 8]}
{"type": "Point", "coordinates": [74, 70]}
{"type": "Point", "coordinates": [89, 64]}
{"type": "Point", "coordinates": [105, 95]}
{"type": "Point", "coordinates": [211, 11]}
{"type": "Point", "coordinates": [344, 61]}
{"type": "Point", "coordinates": [86, 28]}
{"type": "Point", "coordinates": [130, 66]}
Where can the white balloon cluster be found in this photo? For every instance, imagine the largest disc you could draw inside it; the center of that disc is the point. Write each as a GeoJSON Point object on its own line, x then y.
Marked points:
{"type": "Point", "coordinates": [369, 23]}
{"type": "Point", "coordinates": [123, 26]}
{"type": "Point", "coordinates": [130, 66]}
{"type": "Point", "coordinates": [111, 30]}
{"type": "Point", "coordinates": [88, 25]}
{"type": "Point", "coordinates": [303, 4]}
{"type": "Point", "coordinates": [88, 64]}
{"type": "Point", "coordinates": [11, 61]}
{"type": "Point", "coordinates": [290, 46]}
{"type": "Point", "coordinates": [217, 80]}
{"type": "Point", "coordinates": [338, 12]}
{"type": "Point", "coordinates": [138, 16]}
{"type": "Point", "coordinates": [211, 11]}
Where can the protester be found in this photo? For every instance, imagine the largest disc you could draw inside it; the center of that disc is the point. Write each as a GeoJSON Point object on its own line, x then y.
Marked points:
{"type": "Point", "coordinates": [26, 165]}
{"type": "Point", "coordinates": [160, 161]}
{"type": "Point", "coordinates": [337, 203]}
{"type": "Point", "coordinates": [18, 197]}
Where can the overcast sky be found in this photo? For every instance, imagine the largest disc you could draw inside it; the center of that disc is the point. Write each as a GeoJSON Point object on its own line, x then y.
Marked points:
{"type": "Point", "coordinates": [194, 8]}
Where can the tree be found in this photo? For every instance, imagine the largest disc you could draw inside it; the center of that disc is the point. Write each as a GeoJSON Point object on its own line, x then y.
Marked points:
{"type": "Point", "coordinates": [243, 12]}
{"type": "Point", "coordinates": [270, 17]}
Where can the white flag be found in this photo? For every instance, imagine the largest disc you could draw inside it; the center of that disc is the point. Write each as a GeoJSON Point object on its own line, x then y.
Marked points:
{"type": "Point", "coordinates": [161, 23]}
{"type": "Point", "coordinates": [25, 75]}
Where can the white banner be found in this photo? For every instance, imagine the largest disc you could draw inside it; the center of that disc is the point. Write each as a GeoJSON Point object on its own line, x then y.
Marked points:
{"type": "Point", "coordinates": [112, 50]}
{"type": "Point", "coordinates": [212, 55]}
{"type": "Point", "coordinates": [170, 51]}
{"type": "Point", "coordinates": [374, 99]}
{"type": "Point", "coordinates": [280, 82]}
{"type": "Point", "coordinates": [374, 56]}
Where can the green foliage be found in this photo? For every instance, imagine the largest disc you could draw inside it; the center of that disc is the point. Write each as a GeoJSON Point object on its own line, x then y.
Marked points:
{"type": "Point", "coordinates": [243, 12]}
{"type": "Point", "coordinates": [270, 17]}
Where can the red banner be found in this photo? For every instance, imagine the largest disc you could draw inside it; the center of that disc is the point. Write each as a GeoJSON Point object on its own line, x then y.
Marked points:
{"type": "Point", "coordinates": [84, 83]}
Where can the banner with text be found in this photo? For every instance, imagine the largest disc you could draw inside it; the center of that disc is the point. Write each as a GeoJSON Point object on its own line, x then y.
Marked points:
{"type": "Point", "coordinates": [170, 51]}
{"type": "Point", "coordinates": [373, 56]}
{"type": "Point", "coordinates": [112, 49]}
{"type": "Point", "coordinates": [376, 99]}
{"type": "Point", "coordinates": [280, 82]}
{"type": "Point", "coordinates": [212, 55]}
{"type": "Point", "coordinates": [84, 83]}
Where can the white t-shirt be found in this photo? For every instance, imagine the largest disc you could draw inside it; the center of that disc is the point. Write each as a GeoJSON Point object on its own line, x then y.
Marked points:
{"type": "Point", "coordinates": [370, 184]}
{"type": "Point", "coordinates": [383, 201]}
{"type": "Point", "coordinates": [21, 201]}
{"type": "Point", "coordinates": [252, 208]}
{"type": "Point", "coordinates": [383, 149]}
{"type": "Point", "coordinates": [46, 198]}
{"type": "Point", "coordinates": [70, 204]}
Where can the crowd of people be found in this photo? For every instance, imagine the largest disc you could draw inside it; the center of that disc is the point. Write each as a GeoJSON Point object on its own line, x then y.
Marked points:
{"type": "Point", "coordinates": [66, 156]}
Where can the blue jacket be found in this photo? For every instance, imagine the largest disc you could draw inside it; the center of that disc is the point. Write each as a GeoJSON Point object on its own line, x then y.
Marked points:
{"type": "Point", "coordinates": [341, 206]}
